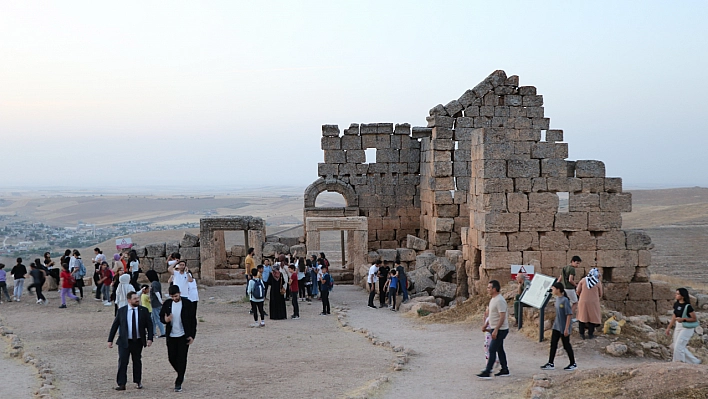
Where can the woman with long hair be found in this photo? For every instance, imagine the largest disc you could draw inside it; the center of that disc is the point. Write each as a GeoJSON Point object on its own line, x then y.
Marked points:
{"type": "Point", "coordinates": [134, 264]}
{"type": "Point", "coordinates": [685, 320]}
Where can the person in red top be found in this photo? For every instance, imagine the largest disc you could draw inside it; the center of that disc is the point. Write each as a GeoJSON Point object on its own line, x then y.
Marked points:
{"type": "Point", "coordinates": [294, 288]}
{"type": "Point", "coordinates": [106, 278]}
{"type": "Point", "coordinates": [67, 283]}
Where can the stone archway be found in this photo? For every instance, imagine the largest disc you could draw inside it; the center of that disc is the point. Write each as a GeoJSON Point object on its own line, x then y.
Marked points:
{"type": "Point", "coordinates": [320, 185]}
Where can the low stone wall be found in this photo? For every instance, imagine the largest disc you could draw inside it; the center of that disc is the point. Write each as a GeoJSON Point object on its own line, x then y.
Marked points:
{"type": "Point", "coordinates": [154, 256]}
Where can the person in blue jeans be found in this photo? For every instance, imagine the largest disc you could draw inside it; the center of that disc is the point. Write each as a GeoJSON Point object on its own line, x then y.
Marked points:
{"type": "Point", "coordinates": [402, 280]}
{"type": "Point", "coordinates": [156, 300]}
{"type": "Point", "coordinates": [499, 322]}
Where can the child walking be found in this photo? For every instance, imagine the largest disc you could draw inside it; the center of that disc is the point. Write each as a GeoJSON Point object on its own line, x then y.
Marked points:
{"type": "Point", "coordinates": [67, 283]}
{"type": "Point", "coordinates": [561, 328]}
{"type": "Point", "coordinates": [488, 336]}
{"type": "Point", "coordinates": [256, 293]}
{"type": "Point", "coordinates": [326, 284]}
{"type": "Point", "coordinates": [393, 288]}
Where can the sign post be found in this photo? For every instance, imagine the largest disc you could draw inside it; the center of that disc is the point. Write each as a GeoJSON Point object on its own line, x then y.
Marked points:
{"type": "Point", "coordinates": [537, 296]}
{"type": "Point", "coordinates": [124, 243]}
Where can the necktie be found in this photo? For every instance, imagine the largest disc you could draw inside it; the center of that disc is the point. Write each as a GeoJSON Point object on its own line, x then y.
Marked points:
{"type": "Point", "coordinates": [135, 325]}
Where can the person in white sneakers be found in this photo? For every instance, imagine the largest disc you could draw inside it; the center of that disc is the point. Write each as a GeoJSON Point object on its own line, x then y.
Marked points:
{"type": "Point", "coordinates": [561, 328]}
{"type": "Point", "coordinates": [256, 293]}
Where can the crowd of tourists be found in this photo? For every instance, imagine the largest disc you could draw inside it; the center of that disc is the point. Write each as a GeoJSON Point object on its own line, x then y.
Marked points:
{"type": "Point", "coordinates": [574, 302]}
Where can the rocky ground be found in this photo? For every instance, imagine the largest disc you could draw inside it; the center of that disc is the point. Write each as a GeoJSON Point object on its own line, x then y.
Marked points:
{"type": "Point", "coordinates": [356, 352]}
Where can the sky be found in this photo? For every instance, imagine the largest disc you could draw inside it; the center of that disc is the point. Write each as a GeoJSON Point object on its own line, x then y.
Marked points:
{"type": "Point", "coordinates": [234, 93]}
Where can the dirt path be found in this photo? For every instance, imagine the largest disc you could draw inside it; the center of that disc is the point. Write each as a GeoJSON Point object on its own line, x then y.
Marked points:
{"type": "Point", "coordinates": [313, 356]}
{"type": "Point", "coordinates": [450, 355]}
{"type": "Point", "coordinates": [18, 379]}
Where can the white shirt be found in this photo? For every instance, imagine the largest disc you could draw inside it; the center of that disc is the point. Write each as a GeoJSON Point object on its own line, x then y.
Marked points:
{"type": "Point", "coordinates": [99, 258]}
{"type": "Point", "coordinates": [130, 321]}
{"type": "Point", "coordinates": [72, 263]}
{"type": "Point", "coordinates": [192, 292]}
{"type": "Point", "coordinates": [182, 281]}
{"type": "Point", "coordinates": [373, 271]}
{"type": "Point", "coordinates": [177, 327]}
{"type": "Point", "coordinates": [496, 306]}
{"type": "Point", "coordinates": [134, 266]}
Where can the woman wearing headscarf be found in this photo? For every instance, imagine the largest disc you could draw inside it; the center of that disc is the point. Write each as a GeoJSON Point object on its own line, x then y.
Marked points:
{"type": "Point", "coordinates": [276, 281]}
{"type": "Point", "coordinates": [124, 287]}
{"type": "Point", "coordinates": [685, 320]}
{"type": "Point", "coordinates": [589, 292]}
{"type": "Point", "coordinates": [117, 264]}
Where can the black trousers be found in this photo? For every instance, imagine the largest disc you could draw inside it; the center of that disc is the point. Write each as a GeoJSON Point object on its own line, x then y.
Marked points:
{"type": "Point", "coordinates": [134, 351]}
{"type": "Point", "coordinates": [301, 288]}
{"type": "Point", "coordinates": [38, 290]}
{"type": "Point", "coordinates": [496, 347]}
{"type": "Point", "coordinates": [296, 306]}
{"type": "Point", "coordinates": [257, 307]}
{"type": "Point", "coordinates": [392, 292]}
{"type": "Point", "coordinates": [382, 292]}
{"type": "Point", "coordinates": [372, 293]}
{"type": "Point", "coordinates": [55, 275]}
{"type": "Point", "coordinates": [177, 350]}
{"type": "Point", "coordinates": [325, 302]}
{"type": "Point", "coordinates": [555, 336]}
{"type": "Point", "coordinates": [590, 326]}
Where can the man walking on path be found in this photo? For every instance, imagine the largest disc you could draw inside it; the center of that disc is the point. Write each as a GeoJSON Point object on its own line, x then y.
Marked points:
{"type": "Point", "coordinates": [135, 333]}
{"type": "Point", "coordinates": [180, 321]}
{"type": "Point", "coordinates": [500, 323]}
{"type": "Point", "coordinates": [371, 281]}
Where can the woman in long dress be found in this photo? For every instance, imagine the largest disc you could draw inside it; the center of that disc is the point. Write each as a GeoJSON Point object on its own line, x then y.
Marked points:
{"type": "Point", "coordinates": [276, 282]}
{"type": "Point", "coordinates": [589, 292]}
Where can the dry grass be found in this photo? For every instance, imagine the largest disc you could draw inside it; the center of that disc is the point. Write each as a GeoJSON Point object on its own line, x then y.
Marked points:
{"type": "Point", "coordinates": [469, 311]}
{"type": "Point", "coordinates": [677, 282]}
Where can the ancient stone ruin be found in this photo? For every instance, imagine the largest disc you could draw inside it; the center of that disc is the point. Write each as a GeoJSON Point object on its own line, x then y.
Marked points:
{"type": "Point", "coordinates": [486, 184]}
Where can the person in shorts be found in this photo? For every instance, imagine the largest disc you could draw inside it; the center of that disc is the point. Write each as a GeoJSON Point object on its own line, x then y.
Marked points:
{"type": "Point", "coordinates": [567, 277]}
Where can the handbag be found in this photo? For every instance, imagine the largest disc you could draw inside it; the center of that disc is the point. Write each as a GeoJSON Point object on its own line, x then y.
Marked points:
{"type": "Point", "coordinates": [689, 324]}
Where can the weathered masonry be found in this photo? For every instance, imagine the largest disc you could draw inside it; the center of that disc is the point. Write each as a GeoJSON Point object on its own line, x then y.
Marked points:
{"type": "Point", "coordinates": [489, 177]}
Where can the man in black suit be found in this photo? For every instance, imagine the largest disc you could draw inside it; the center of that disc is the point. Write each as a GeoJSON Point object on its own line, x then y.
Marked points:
{"type": "Point", "coordinates": [180, 321]}
{"type": "Point", "coordinates": [136, 332]}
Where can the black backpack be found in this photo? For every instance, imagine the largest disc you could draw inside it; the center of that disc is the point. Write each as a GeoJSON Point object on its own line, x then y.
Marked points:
{"type": "Point", "coordinates": [258, 291]}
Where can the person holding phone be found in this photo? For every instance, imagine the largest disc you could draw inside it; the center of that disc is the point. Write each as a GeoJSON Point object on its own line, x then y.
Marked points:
{"type": "Point", "coordinates": [180, 320]}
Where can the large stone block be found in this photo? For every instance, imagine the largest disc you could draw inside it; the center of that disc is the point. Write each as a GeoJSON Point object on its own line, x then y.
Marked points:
{"type": "Point", "coordinates": [444, 290]}
{"type": "Point", "coordinates": [543, 202]}
{"type": "Point", "coordinates": [274, 248]}
{"type": "Point", "coordinates": [443, 224]}
{"type": "Point", "coordinates": [387, 255]}
{"type": "Point", "coordinates": [442, 269]}
{"type": "Point", "coordinates": [542, 150]}
{"type": "Point", "coordinates": [593, 185]}
{"type": "Point", "coordinates": [500, 260]}
{"type": "Point", "coordinates": [523, 168]}
{"type": "Point", "coordinates": [356, 156]}
{"type": "Point", "coordinates": [611, 240]}
{"type": "Point", "coordinates": [155, 250]}
{"type": "Point", "coordinates": [189, 240]}
{"type": "Point", "coordinates": [497, 222]}
{"type": "Point", "coordinates": [552, 260]}
{"type": "Point", "coordinates": [616, 202]}
{"type": "Point", "coordinates": [537, 221]}
{"type": "Point", "coordinates": [582, 241]}
{"type": "Point", "coordinates": [640, 292]}
{"type": "Point", "coordinates": [588, 168]}
{"type": "Point", "coordinates": [351, 142]}
{"type": "Point", "coordinates": [523, 241]}
{"type": "Point", "coordinates": [330, 130]}
{"type": "Point", "coordinates": [486, 186]}
{"type": "Point", "coordinates": [633, 308]}
{"type": "Point", "coordinates": [422, 278]}
{"type": "Point", "coordinates": [189, 253]}
{"type": "Point", "coordinates": [637, 240]}
{"type": "Point", "coordinates": [617, 259]}
{"type": "Point", "coordinates": [424, 260]}
{"type": "Point", "coordinates": [406, 255]}
{"type": "Point", "coordinates": [644, 256]}
{"type": "Point", "coordinates": [589, 261]}
{"type": "Point", "coordinates": [327, 169]}
{"type": "Point", "coordinates": [615, 291]}
{"type": "Point", "coordinates": [331, 143]}
{"type": "Point", "coordinates": [571, 221]}
{"type": "Point", "coordinates": [553, 167]}
{"type": "Point", "coordinates": [416, 243]}
{"type": "Point", "coordinates": [517, 202]}
{"type": "Point", "coordinates": [554, 241]}
{"type": "Point", "coordinates": [613, 184]}
{"type": "Point", "coordinates": [335, 156]}
{"type": "Point", "coordinates": [662, 290]}
{"type": "Point", "coordinates": [583, 202]}
{"type": "Point", "coordinates": [604, 221]}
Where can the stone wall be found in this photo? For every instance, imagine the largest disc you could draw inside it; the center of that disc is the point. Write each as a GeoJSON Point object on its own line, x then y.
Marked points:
{"type": "Point", "coordinates": [154, 256]}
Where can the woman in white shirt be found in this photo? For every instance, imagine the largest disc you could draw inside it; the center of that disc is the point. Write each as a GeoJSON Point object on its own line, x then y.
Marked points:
{"type": "Point", "coordinates": [134, 267]}
{"type": "Point", "coordinates": [193, 294]}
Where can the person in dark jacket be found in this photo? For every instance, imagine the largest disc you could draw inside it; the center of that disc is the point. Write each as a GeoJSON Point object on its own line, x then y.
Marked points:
{"type": "Point", "coordinates": [180, 321]}
{"type": "Point", "coordinates": [136, 329]}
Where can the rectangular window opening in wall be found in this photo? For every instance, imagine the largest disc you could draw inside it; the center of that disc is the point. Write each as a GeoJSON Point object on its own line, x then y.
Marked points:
{"type": "Point", "coordinates": [606, 274]}
{"type": "Point", "coordinates": [563, 202]}
{"type": "Point", "coordinates": [370, 154]}
{"type": "Point", "coordinates": [457, 144]}
{"type": "Point", "coordinates": [543, 135]}
{"type": "Point", "coordinates": [235, 245]}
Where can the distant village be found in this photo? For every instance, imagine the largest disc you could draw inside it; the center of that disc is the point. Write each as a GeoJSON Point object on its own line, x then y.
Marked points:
{"type": "Point", "coordinates": [21, 238]}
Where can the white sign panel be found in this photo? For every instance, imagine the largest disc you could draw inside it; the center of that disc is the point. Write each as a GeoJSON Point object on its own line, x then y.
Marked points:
{"type": "Point", "coordinates": [124, 243]}
{"type": "Point", "coordinates": [516, 269]}
{"type": "Point", "coordinates": [536, 294]}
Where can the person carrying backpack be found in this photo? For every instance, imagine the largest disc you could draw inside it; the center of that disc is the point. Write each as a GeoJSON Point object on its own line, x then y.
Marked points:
{"type": "Point", "coordinates": [256, 293]}
{"type": "Point", "coordinates": [78, 272]}
{"type": "Point", "coordinates": [326, 285]}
